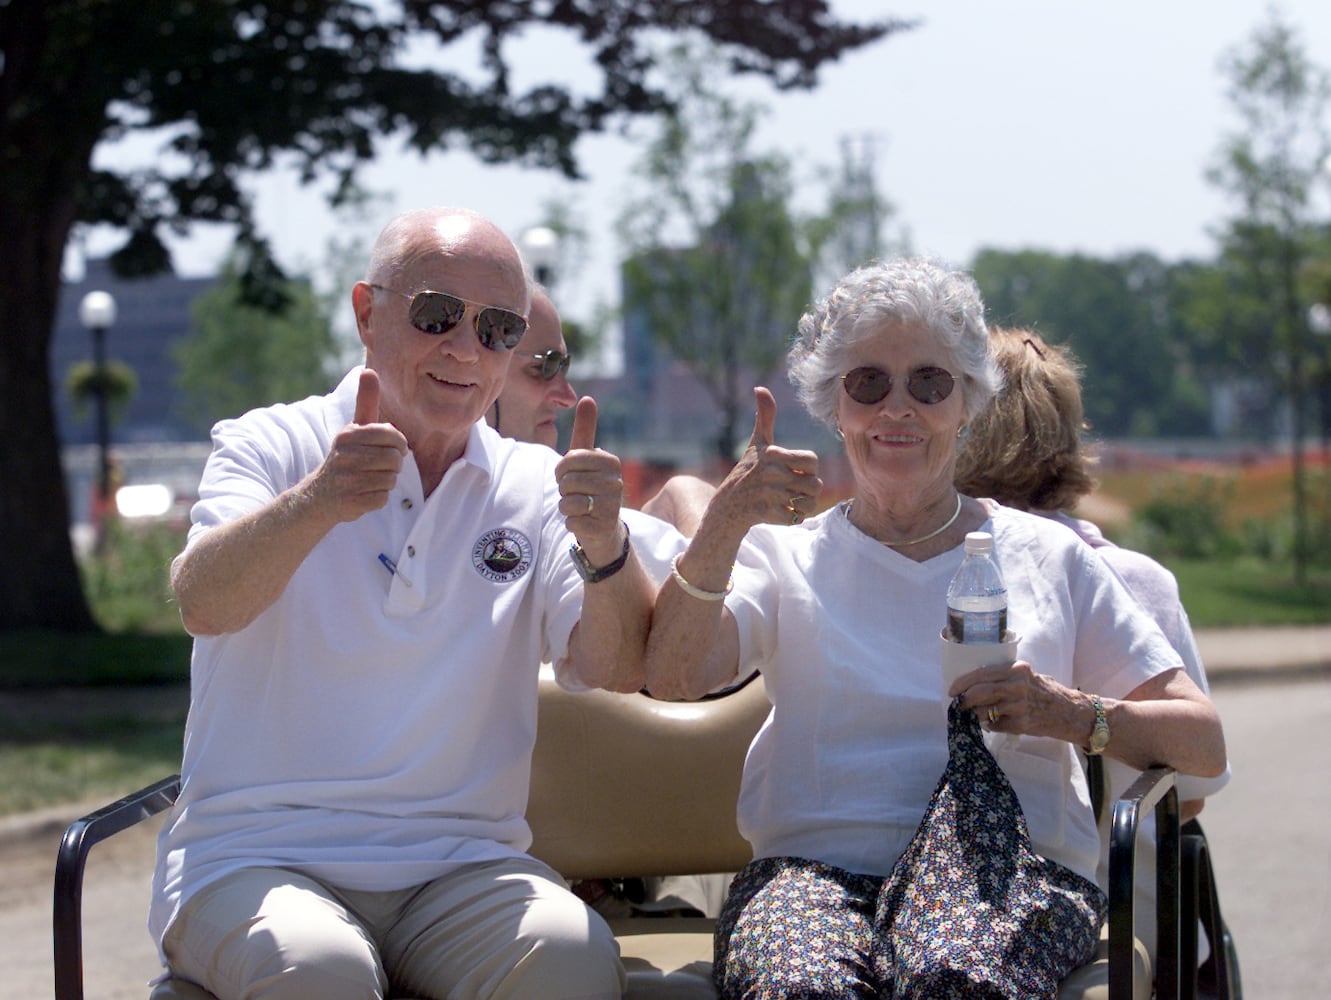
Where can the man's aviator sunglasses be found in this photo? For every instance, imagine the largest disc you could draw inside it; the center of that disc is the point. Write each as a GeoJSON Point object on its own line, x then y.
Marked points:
{"type": "Point", "coordinates": [436, 313]}
{"type": "Point", "coordinates": [871, 385]}
{"type": "Point", "coordinates": [551, 364]}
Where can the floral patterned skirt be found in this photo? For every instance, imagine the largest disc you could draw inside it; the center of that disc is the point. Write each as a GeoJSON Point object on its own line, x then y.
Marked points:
{"type": "Point", "coordinates": [792, 927]}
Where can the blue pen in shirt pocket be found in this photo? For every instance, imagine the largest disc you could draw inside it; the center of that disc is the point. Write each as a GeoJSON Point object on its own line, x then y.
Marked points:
{"type": "Point", "coordinates": [392, 568]}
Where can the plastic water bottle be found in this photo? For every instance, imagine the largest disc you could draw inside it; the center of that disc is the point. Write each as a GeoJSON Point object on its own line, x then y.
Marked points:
{"type": "Point", "coordinates": [977, 597]}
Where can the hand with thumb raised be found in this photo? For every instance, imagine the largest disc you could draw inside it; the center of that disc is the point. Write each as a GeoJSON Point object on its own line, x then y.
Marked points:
{"type": "Point", "coordinates": [591, 488]}
{"type": "Point", "coordinates": [361, 468]}
{"type": "Point", "coordinates": [769, 484]}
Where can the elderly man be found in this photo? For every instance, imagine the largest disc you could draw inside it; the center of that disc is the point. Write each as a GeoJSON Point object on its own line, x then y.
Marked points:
{"type": "Point", "coordinates": [372, 578]}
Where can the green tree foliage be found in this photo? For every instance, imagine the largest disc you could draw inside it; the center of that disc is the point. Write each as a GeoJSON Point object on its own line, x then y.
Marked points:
{"type": "Point", "coordinates": [239, 355]}
{"type": "Point", "coordinates": [725, 292]}
{"type": "Point", "coordinates": [1269, 167]}
{"type": "Point", "coordinates": [230, 87]}
{"type": "Point", "coordinates": [852, 231]}
{"type": "Point", "coordinates": [719, 264]}
{"type": "Point", "coordinates": [1119, 317]}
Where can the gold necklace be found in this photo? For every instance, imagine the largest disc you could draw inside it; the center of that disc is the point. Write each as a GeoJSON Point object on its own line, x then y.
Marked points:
{"type": "Point", "coordinates": [923, 538]}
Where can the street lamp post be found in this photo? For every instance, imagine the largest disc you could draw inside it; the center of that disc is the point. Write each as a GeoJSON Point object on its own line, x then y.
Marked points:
{"type": "Point", "coordinates": [540, 245]}
{"type": "Point", "coordinates": [97, 312]}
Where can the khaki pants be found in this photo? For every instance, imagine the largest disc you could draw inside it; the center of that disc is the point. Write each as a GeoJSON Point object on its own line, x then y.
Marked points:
{"type": "Point", "coordinates": [499, 930]}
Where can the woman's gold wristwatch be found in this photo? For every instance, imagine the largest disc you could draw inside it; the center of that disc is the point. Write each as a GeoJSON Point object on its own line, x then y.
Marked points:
{"type": "Point", "coordinates": [1099, 731]}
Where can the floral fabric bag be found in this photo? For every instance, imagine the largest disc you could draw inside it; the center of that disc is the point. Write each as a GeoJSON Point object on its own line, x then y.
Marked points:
{"type": "Point", "coordinates": [970, 909]}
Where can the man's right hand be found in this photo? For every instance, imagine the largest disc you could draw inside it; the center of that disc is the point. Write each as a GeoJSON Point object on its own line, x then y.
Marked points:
{"type": "Point", "coordinates": [362, 467]}
{"type": "Point", "coordinates": [235, 571]}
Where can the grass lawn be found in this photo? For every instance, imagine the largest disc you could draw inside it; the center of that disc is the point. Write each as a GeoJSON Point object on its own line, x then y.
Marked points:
{"type": "Point", "coordinates": [86, 743]}
{"type": "Point", "coordinates": [1250, 592]}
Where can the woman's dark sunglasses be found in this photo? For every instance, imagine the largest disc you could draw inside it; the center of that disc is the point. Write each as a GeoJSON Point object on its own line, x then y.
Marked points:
{"type": "Point", "coordinates": [436, 313]}
{"type": "Point", "coordinates": [871, 385]}
{"type": "Point", "coordinates": [552, 363]}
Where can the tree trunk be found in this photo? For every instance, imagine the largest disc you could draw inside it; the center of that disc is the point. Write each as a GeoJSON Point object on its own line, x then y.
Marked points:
{"type": "Point", "coordinates": [39, 579]}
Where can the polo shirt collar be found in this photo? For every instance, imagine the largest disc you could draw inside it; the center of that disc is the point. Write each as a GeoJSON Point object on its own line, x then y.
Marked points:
{"type": "Point", "coordinates": [482, 451]}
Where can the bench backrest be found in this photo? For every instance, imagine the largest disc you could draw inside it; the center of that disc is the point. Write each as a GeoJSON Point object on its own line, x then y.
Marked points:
{"type": "Point", "coordinates": [623, 785]}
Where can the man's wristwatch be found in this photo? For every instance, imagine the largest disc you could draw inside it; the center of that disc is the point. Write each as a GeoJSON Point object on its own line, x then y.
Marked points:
{"type": "Point", "coordinates": [1099, 731]}
{"type": "Point", "coordinates": [590, 573]}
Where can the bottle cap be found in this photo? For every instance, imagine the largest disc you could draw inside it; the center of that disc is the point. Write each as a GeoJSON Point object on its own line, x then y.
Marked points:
{"type": "Point", "coordinates": [979, 542]}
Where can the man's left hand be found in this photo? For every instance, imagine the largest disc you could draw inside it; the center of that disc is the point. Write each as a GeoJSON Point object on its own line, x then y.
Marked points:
{"type": "Point", "coordinates": [591, 489]}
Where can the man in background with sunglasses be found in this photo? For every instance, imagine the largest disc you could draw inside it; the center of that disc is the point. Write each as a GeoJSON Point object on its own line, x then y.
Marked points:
{"type": "Point", "coordinates": [372, 578]}
{"type": "Point", "coordinates": [537, 386]}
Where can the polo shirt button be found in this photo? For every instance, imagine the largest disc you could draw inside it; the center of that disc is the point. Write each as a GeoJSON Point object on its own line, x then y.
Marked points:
{"type": "Point", "coordinates": [406, 503]}
{"type": "Point", "coordinates": [411, 550]}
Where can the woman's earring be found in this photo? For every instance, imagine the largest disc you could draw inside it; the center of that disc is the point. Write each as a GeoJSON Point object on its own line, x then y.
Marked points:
{"type": "Point", "coordinates": [963, 432]}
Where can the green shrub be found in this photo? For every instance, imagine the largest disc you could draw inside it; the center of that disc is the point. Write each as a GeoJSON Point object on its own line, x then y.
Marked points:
{"type": "Point", "coordinates": [1185, 520]}
{"type": "Point", "coordinates": [128, 580]}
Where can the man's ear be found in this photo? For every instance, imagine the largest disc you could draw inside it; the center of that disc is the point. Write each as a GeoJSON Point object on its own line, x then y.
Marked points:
{"type": "Point", "coordinates": [362, 303]}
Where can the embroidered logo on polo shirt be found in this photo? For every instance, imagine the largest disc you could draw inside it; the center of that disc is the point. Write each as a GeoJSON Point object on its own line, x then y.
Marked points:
{"type": "Point", "coordinates": [502, 555]}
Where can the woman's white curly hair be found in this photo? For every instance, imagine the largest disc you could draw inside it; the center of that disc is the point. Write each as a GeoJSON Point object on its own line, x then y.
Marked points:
{"type": "Point", "coordinates": [919, 291]}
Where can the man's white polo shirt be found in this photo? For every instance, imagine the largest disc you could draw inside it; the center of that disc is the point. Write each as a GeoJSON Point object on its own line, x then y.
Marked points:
{"type": "Point", "coordinates": [374, 726]}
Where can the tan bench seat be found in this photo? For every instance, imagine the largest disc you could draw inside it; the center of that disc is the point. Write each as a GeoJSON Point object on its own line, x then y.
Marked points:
{"type": "Point", "coordinates": [622, 786]}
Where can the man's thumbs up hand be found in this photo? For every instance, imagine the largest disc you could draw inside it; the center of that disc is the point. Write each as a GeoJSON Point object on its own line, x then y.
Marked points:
{"type": "Point", "coordinates": [591, 489]}
{"type": "Point", "coordinates": [361, 468]}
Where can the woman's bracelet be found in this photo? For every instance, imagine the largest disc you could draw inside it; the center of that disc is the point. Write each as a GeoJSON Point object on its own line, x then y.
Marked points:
{"type": "Point", "coordinates": [698, 592]}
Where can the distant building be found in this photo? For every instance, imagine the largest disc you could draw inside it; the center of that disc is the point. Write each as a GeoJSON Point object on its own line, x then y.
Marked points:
{"type": "Point", "coordinates": [152, 314]}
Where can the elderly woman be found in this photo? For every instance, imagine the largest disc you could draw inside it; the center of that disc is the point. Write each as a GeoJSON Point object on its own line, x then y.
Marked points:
{"type": "Point", "coordinates": [1027, 451]}
{"type": "Point", "coordinates": [842, 615]}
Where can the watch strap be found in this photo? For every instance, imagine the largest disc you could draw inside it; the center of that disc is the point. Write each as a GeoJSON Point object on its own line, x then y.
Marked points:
{"type": "Point", "coordinates": [594, 574]}
{"type": "Point", "coordinates": [1099, 730]}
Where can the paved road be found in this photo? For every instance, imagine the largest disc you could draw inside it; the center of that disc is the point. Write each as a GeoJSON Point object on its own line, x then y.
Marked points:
{"type": "Point", "coordinates": [118, 954]}
{"type": "Point", "coordinates": [1268, 832]}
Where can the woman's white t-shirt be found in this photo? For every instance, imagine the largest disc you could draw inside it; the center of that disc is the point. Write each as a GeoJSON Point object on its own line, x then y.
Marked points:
{"type": "Point", "coordinates": [846, 633]}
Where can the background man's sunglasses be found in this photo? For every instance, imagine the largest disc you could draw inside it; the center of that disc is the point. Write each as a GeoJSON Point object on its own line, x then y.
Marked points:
{"type": "Point", "coordinates": [552, 363]}
{"type": "Point", "coordinates": [436, 313]}
{"type": "Point", "coordinates": [871, 385]}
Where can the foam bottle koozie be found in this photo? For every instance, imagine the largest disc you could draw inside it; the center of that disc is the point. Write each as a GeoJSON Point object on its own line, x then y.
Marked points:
{"type": "Point", "coordinates": [961, 658]}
